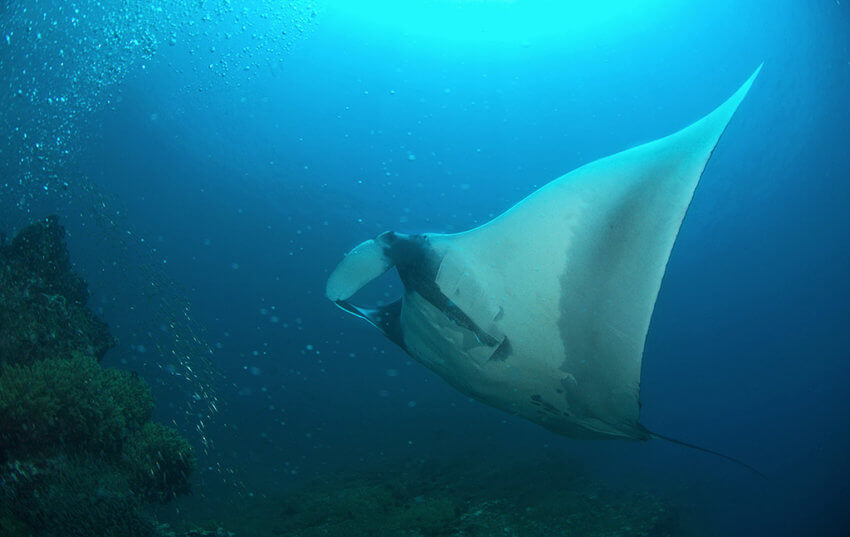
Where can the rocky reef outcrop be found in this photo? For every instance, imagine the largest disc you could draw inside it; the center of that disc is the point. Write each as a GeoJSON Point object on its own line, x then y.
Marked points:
{"type": "Point", "coordinates": [78, 452]}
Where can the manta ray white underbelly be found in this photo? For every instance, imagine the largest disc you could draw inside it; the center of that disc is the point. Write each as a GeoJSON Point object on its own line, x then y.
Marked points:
{"type": "Point", "coordinates": [543, 311]}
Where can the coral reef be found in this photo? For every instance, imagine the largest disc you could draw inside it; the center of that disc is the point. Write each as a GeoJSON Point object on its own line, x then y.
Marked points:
{"type": "Point", "coordinates": [159, 462]}
{"type": "Point", "coordinates": [73, 403]}
{"type": "Point", "coordinates": [78, 454]}
{"type": "Point", "coordinates": [79, 495]}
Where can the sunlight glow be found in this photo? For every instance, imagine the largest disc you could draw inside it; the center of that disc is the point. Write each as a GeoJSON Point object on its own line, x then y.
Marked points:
{"type": "Point", "coordinates": [497, 20]}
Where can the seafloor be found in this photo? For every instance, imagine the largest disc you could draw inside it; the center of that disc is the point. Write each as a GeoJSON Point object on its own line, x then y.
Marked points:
{"type": "Point", "coordinates": [456, 499]}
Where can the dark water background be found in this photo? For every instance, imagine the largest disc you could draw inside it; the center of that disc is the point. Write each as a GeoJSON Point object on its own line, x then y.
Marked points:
{"type": "Point", "coordinates": [248, 185]}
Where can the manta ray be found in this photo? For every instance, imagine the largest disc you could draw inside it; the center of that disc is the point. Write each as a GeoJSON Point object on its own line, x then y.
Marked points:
{"type": "Point", "coordinates": [543, 311]}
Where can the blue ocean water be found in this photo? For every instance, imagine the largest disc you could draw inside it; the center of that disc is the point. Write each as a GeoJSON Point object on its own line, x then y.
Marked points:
{"type": "Point", "coordinates": [229, 153]}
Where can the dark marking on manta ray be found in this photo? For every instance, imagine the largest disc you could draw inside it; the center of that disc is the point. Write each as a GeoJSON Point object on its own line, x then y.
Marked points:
{"type": "Point", "coordinates": [537, 400]}
{"type": "Point", "coordinates": [502, 352]}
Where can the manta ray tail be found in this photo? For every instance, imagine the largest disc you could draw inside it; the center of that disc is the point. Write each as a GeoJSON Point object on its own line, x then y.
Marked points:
{"type": "Point", "coordinates": [712, 452]}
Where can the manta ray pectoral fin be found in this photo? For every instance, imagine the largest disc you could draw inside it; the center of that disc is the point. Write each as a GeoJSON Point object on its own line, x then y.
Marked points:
{"type": "Point", "coordinates": [577, 265]}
